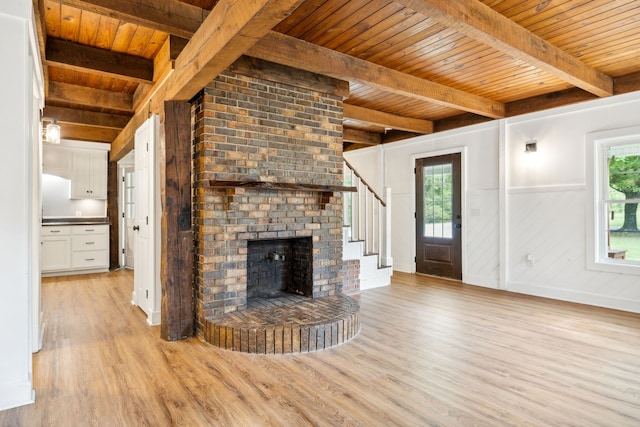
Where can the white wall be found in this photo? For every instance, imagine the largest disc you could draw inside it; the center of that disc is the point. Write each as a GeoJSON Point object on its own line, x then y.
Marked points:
{"type": "Point", "coordinates": [515, 204]}
{"type": "Point", "coordinates": [17, 212]}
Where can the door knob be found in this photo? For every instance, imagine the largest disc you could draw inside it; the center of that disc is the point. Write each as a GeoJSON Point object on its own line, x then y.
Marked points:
{"type": "Point", "coordinates": [136, 227]}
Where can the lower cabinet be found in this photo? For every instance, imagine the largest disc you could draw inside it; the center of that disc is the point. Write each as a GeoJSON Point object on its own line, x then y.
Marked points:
{"type": "Point", "coordinates": [74, 249]}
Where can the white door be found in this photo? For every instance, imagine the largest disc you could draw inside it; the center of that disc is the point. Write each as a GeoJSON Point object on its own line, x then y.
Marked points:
{"type": "Point", "coordinates": [146, 281]}
{"type": "Point", "coordinates": [129, 216]}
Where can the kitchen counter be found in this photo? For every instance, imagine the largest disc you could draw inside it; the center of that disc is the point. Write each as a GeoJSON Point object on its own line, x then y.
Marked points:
{"type": "Point", "coordinates": [75, 221]}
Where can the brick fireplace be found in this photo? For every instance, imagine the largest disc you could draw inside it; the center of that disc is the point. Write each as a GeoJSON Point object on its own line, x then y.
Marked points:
{"type": "Point", "coordinates": [267, 171]}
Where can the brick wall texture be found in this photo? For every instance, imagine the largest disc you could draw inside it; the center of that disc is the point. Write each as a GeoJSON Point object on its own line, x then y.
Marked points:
{"type": "Point", "coordinates": [351, 276]}
{"type": "Point", "coordinates": [249, 129]}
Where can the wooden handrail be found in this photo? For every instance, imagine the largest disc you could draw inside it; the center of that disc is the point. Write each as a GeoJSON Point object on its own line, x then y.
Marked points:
{"type": "Point", "coordinates": [382, 202]}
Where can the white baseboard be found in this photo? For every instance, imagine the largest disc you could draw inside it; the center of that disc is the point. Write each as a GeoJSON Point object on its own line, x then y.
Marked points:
{"type": "Point", "coordinates": [480, 281]}
{"type": "Point", "coordinates": [573, 296]}
{"type": "Point", "coordinates": [154, 318]}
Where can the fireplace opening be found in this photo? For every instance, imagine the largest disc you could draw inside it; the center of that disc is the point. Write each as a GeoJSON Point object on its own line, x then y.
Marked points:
{"type": "Point", "coordinates": [278, 267]}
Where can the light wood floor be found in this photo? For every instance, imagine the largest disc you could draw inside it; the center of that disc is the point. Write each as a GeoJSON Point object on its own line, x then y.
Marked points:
{"type": "Point", "coordinates": [429, 353]}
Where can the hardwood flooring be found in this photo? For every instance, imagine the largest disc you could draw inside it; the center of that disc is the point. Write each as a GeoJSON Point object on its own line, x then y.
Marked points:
{"type": "Point", "coordinates": [430, 352]}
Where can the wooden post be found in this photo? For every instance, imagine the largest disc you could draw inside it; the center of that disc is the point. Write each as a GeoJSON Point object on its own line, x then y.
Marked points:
{"type": "Point", "coordinates": [177, 262]}
{"type": "Point", "coordinates": [112, 213]}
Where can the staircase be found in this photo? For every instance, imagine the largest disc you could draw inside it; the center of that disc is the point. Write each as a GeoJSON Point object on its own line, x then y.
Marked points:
{"type": "Point", "coordinates": [366, 235]}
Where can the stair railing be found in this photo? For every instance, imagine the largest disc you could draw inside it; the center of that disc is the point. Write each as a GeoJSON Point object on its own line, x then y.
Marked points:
{"type": "Point", "coordinates": [368, 215]}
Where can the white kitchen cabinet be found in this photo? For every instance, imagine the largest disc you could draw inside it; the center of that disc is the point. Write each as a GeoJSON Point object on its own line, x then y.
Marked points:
{"type": "Point", "coordinates": [90, 247]}
{"type": "Point", "coordinates": [89, 174]}
{"type": "Point", "coordinates": [56, 249]}
{"type": "Point", "coordinates": [75, 249]}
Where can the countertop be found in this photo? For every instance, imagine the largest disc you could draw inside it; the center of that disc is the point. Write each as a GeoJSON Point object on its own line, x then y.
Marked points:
{"type": "Point", "coordinates": [75, 221]}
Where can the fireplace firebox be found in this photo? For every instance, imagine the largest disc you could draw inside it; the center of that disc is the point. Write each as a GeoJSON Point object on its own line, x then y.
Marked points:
{"type": "Point", "coordinates": [279, 266]}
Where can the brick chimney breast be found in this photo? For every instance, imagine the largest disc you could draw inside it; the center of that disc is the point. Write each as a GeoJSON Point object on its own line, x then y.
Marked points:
{"type": "Point", "coordinates": [248, 128]}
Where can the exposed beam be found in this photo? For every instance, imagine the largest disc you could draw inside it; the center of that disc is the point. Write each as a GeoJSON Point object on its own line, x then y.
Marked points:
{"type": "Point", "coordinates": [229, 30]}
{"type": "Point", "coordinates": [227, 33]}
{"type": "Point", "coordinates": [88, 133]}
{"type": "Point", "coordinates": [169, 16]}
{"type": "Point", "coordinates": [88, 118]}
{"type": "Point", "coordinates": [282, 49]}
{"type": "Point", "coordinates": [79, 57]}
{"type": "Point", "coordinates": [386, 120]}
{"type": "Point", "coordinates": [480, 22]}
{"type": "Point", "coordinates": [627, 83]}
{"type": "Point", "coordinates": [361, 137]}
{"type": "Point", "coordinates": [547, 101]}
{"type": "Point", "coordinates": [74, 94]}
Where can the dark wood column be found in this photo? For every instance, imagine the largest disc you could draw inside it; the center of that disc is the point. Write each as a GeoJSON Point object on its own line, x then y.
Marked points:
{"type": "Point", "coordinates": [113, 214]}
{"type": "Point", "coordinates": [177, 263]}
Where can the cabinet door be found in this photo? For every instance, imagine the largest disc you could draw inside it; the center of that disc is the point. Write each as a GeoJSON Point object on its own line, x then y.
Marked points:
{"type": "Point", "coordinates": [99, 175]}
{"type": "Point", "coordinates": [89, 175]}
{"type": "Point", "coordinates": [56, 253]}
{"type": "Point", "coordinates": [81, 175]}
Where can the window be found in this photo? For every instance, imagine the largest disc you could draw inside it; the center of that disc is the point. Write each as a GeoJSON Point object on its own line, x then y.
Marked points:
{"type": "Point", "coordinates": [614, 159]}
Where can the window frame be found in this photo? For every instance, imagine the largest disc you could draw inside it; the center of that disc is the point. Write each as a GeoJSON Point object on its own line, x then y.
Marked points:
{"type": "Point", "coordinates": [597, 185]}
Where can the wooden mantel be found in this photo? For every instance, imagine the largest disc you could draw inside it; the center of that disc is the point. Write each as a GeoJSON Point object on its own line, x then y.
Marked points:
{"type": "Point", "coordinates": [326, 190]}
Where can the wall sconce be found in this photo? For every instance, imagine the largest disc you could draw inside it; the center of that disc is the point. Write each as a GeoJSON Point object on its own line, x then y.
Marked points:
{"type": "Point", "coordinates": [531, 146]}
{"type": "Point", "coordinates": [51, 131]}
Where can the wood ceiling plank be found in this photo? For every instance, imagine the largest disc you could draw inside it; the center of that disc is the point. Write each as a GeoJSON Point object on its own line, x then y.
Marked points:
{"type": "Point", "coordinates": [52, 18]}
{"type": "Point", "coordinates": [107, 30]}
{"type": "Point", "coordinates": [478, 21]}
{"type": "Point", "coordinates": [387, 120]}
{"type": "Point", "coordinates": [372, 39]}
{"type": "Point", "coordinates": [75, 56]}
{"type": "Point", "coordinates": [80, 95]}
{"type": "Point", "coordinates": [140, 41]}
{"type": "Point", "coordinates": [356, 25]}
{"type": "Point", "coordinates": [279, 48]}
{"type": "Point", "coordinates": [89, 28]}
{"type": "Point", "coordinates": [169, 16]}
{"type": "Point", "coordinates": [124, 35]}
{"type": "Point", "coordinates": [88, 118]}
{"type": "Point", "coordinates": [70, 23]}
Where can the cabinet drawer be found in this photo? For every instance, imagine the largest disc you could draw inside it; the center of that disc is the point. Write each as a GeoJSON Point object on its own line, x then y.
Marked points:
{"type": "Point", "coordinates": [50, 230]}
{"type": "Point", "coordinates": [89, 242]}
{"type": "Point", "coordinates": [89, 259]}
{"type": "Point", "coordinates": [90, 229]}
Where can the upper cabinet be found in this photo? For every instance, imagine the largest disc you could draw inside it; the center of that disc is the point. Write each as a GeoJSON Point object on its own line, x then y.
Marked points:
{"type": "Point", "coordinates": [86, 168]}
{"type": "Point", "coordinates": [89, 174]}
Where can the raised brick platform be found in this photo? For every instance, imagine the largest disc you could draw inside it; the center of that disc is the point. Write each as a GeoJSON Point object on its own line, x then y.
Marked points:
{"type": "Point", "coordinates": [289, 324]}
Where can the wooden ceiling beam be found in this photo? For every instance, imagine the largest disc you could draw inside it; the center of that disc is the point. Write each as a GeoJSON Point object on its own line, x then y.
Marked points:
{"type": "Point", "coordinates": [231, 28]}
{"type": "Point", "coordinates": [81, 95]}
{"type": "Point", "coordinates": [361, 137]}
{"type": "Point", "coordinates": [387, 120]}
{"type": "Point", "coordinates": [89, 118]}
{"type": "Point", "coordinates": [286, 50]}
{"type": "Point", "coordinates": [87, 133]}
{"type": "Point", "coordinates": [79, 57]}
{"type": "Point", "coordinates": [478, 21]}
{"type": "Point", "coordinates": [227, 33]}
{"type": "Point", "coordinates": [169, 16]}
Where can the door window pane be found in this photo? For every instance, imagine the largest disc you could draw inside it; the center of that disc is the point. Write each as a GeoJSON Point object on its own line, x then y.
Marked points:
{"type": "Point", "coordinates": [438, 201]}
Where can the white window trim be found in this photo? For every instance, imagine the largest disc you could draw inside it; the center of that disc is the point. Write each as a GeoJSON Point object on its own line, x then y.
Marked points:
{"type": "Point", "coordinates": [596, 167]}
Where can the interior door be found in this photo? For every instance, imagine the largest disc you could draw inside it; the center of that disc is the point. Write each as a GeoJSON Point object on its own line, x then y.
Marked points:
{"type": "Point", "coordinates": [142, 274]}
{"type": "Point", "coordinates": [438, 216]}
{"type": "Point", "coordinates": [129, 216]}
